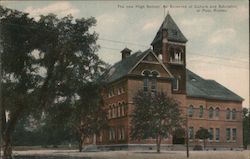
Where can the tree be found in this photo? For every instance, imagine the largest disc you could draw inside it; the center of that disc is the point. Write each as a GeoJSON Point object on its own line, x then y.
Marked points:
{"type": "Point", "coordinates": [246, 127]}
{"type": "Point", "coordinates": [155, 115]}
{"type": "Point", "coordinates": [83, 117]}
{"type": "Point", "coordinates": [88, 116]}
{"type": "Point", "coordinates": [203, 134]}
{"type": "Point", "coordinates": [43, 63]}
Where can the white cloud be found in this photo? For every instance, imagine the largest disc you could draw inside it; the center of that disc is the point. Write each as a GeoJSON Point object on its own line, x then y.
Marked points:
{"type": "Point", "coordinates": [197, 27]}
{"type": "Point", "coordinates": [222, 36]}
{"type": "Point", "coordinates": [61, 8]}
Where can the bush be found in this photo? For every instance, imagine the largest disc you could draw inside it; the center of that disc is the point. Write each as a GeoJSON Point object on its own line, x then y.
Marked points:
{"type": "Point", "coordinates": [197, 147]}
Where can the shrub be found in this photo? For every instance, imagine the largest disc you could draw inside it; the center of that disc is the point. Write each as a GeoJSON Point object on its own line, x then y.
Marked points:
{"type": "Point", "coordinates": [197, 147]}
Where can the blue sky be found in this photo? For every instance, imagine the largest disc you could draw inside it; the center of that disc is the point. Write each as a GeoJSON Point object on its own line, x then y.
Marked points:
{"type": "Point", "coordinates": [218, 41]}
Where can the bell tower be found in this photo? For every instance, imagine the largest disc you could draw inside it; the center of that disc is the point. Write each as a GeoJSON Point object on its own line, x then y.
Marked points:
{"type": "Point", "coordinates": [171, 44]}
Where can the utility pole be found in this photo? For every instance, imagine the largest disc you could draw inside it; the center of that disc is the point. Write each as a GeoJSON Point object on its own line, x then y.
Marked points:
{"type": "Point", "coordinates": [187, 135]}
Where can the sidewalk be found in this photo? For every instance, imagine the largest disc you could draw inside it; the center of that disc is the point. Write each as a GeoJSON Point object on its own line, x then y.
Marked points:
{"type": "Point", "coordinates": [139, 155]}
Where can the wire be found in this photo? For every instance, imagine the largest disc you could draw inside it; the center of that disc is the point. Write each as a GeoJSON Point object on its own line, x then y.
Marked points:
{"type": "Point", "coordinates": [125, 42]}
{"type": "Point", "coordinates": [219, 57]}
{"type": "Point", "coordinates": [122, 42]}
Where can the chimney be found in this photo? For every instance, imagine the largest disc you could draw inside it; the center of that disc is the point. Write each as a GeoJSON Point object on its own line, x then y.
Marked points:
{"type": "Point", "coordinates": [125, 53]}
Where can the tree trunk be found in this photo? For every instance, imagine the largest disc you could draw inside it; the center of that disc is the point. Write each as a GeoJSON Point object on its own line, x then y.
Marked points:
{"type": "Point", "coordinates": [81, 141]}
{"type": "Point", "coordinates": [7, 147]}
{"type": "Point", "coordinates": [204, 143]}
{"type": "Point", "coordinates": [158, 144]}
{"type": "Point", "coordinates": [80, 145]}
{"type": "Point", "coordinates": [8, 130]}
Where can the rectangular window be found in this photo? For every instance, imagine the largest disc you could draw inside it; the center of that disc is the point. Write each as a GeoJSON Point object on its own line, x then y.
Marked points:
{"type": "Point", "coordinates": [217, 134]}
{"type": "Point", "coordinates": [122, 133]}
{"type": "Point", "coordinates": [153, 85]}
{"type": "Point", "coordinates": [100, 137]}
{"type": "Point", "coordinates": [119, 133]}
{"type": "Point", "coordinates": [175, 84]}
{"type": "Point", "coordinates": [145, 84]}
{"type": "Point", "coordinates": [191, 132]}
{"type": "Point", "coordinates": [211, 131]}
{"type": "Point", "coordinates": [228, 134]}
{"type": "Point", "coordinates": [234, 135]}
{"type": "Point", "coordinates": [110, 134]}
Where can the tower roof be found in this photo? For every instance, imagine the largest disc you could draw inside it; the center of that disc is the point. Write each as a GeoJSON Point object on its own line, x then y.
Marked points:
{"type": "Point", "coordinates": [173, 31]}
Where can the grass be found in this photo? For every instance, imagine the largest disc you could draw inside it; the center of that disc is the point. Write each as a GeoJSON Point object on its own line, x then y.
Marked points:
{"type": "Point", "coordinates": [47, 147]}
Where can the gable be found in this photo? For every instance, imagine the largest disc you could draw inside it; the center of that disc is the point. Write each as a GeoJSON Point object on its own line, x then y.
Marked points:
{"type": "Point", "coordinates": [151, 63]}
{"type": "Point", "coordinates": [150, 58]}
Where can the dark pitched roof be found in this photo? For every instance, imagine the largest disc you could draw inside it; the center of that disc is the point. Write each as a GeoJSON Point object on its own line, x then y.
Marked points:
{"type": "Point", "coordinates": [209, 89]}
{"type": "Point", "coordinates": [174, 33]}
{"type": "Point", "coordinates": [123, 67]}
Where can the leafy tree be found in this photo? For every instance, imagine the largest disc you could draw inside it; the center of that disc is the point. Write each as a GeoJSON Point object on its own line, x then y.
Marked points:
{"type": "Point", "coordinates": [18, 73]}
{"type": "Point", "coordinates": [88, 116]}
{"type": "Point", "coordinates": [43, 63]}
{"type": "Point", "coordinates": [246, 127]}
{"type": "Point", "coordinates": [83, 118]}
{"type": "Point", "coordinates": [155, 115]}
{"type": "Point", "coordinates": [203, 134]}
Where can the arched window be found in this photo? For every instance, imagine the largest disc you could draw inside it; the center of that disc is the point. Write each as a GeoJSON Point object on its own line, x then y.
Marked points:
{"type": "Point", "coordinates": [171, 51]}
{"type": "Point", "coordinates": [210, 112]}
{"type": "Point", "coordinates": [190, 111]}
{"type": "Point", "coordinates": [155, 73]}
{"type": "Point", "coordinates": [122, 109]}
{"type": "Point", "coordinates": [234, 114]}
{"type": "Point", "coordinates": [228, 113]}
{"type": "Point", "coordinates": [217, 112]}
{"type": "Point", "coordinates": [119, 110]}
{"type": "Point", "coordinates": [201, 111]}
{"type": "Point", "coordinates": [113, 111]}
